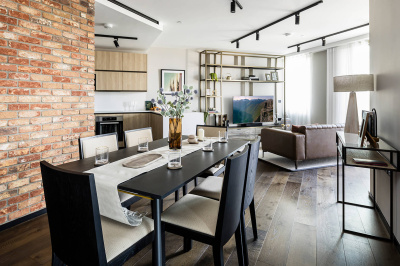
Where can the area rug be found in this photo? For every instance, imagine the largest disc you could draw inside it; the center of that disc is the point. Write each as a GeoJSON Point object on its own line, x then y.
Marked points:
{"type": "Point", "coordinates": [303, 165]}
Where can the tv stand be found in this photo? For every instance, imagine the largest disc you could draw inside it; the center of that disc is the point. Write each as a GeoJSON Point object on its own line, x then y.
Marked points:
{"type": "Point", "coordinates": [248, 132]}
{"type": "Point", "coordinates": [250, 124]}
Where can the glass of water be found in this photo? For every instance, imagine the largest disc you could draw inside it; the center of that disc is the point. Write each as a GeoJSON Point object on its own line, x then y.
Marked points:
{"type": "Point", "coordinates": [102, 154]}
{"type": "Point", "coordinates": [174, 159]}
{"type": "Point", "coordinates": [223, 136]}
{"type": "Point", "coordinates": [143, 144]}
{"type": "Point", "coordinates": [208, 144]}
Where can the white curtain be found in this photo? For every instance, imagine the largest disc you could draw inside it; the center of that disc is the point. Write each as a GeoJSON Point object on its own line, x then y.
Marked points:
{"type": "Point", "coordinates": [298, 89]}
{"type": "Point", "coordinates": [348, 59]}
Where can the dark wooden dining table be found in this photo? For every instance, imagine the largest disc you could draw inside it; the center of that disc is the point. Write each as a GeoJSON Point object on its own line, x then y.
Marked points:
{"type": "Point", "coordinates": [160, 182]}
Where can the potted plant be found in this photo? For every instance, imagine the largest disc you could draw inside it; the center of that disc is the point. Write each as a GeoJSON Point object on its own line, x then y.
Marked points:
{"type": "Point", "coordinates": [174, 110]}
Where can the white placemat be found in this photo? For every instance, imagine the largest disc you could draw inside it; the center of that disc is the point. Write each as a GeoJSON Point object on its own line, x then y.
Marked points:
{"type": "Point", "coordinates": [107, 178]}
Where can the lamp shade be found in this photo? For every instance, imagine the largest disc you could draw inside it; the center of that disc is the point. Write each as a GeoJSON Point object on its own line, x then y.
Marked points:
{"type": "Point", "coordinates": [353, 83]}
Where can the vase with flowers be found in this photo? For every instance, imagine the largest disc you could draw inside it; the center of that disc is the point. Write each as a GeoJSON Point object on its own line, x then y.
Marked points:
{"type": "Point", "coordinates": [174, 109]}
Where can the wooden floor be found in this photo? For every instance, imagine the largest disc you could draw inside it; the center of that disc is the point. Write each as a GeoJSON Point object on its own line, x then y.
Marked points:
{"type": "Point", "coordinates": [298, 221]}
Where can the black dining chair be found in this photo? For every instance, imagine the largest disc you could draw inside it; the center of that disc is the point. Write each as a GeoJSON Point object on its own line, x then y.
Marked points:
{"type": "Point", "coordinates": [211, 188]}
{"type": "Point", "coordinates": [79, 235]}
{"type": "Point", "coordinates": [87, 148]}
{"type": "Point", "coordinates": [209, 221]}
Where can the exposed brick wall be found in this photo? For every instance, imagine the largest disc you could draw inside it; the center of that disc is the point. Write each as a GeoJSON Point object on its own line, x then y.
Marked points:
{"type": "Point", "coordinates": [46, 94]}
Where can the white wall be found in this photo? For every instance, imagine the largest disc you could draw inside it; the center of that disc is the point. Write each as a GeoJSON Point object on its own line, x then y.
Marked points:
{"type": "Point", "coordinates": [157, 59]}
{"type": "Point", "coordinates": [385, 54]}
{"type": "Point", "coordinates": [318, 91]}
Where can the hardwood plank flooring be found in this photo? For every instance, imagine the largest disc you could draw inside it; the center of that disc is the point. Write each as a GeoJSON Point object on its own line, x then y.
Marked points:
{"type": "Point", "coordinates": [298, 221]}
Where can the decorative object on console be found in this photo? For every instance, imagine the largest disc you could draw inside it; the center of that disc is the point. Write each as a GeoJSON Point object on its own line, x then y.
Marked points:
{"type": "Point", "coordinates": [268, 77]}
{"type": "Point", "coordinates": [363, 130]}
{"type": "Point", "coordinates": [274, 76]}
{"type": "Point", "coordinates": [175, 110]}
{"type": "Point", "coordinates": [172, 80]}
{"type": "Point", "coordinates": [353, 83]}
{"type": "Point", "coordinates": [213, 77]}
{"type": "Point", "coordinates": [148, 105]}
{"type": "Point", "coordinates": [228, 76]}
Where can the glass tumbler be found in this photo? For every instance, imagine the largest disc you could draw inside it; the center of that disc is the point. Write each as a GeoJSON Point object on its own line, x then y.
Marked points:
{"type": "Point", "coordinates": [174, 159]}
{"type": "Point", "coordinates": [101, 155]}
{"type": "Point", "coordinates": [223, 136]}
{"type": "Point", "coordinates": [143, 144]}
{"type": "Point", "coordinates": [208, 144]}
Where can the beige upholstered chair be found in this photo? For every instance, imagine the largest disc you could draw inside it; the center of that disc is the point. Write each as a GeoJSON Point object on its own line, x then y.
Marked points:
{"type": "Point", "coordinates": [132, 136]}
{"type": "Point", "coordinates": [211, 131]}
{"type": "Point", "coordinates": [87, 148]}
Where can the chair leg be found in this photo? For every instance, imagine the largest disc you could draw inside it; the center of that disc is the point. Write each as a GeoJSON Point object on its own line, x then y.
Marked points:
{"type": "Point", "coordinates": [184, 188]}
{"type": "Point", "coordinates": [195, 182]}
{"type": "Point", "coordinates": [163, 242]}
{"type": "Point", "coordinates": [244, 239]}
{"type": "Point", "coordinates": [253, 219]}
{"type": "Point", "coordinates": [218, 253]}
{"type": "Point", "coordinates": [187, 244]}
{"type": "Point", "coordinates": [239, 245]}
{"type": "Point", "coordinates": [176, 195]}
{"type": "Point", "coordinates": [296, 163]}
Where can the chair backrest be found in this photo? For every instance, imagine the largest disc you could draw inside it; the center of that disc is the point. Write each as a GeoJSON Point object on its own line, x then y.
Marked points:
{"type": "Point", "coordinates": [132, 136]}
{"type": "Point", "coordinates": [87, 146]}
{"type": "Point", "coordinates": [231, 197]}
{"type": "Point", "coordinates": [211, 131]}
{"type": "Point", "coordinates": [73, 214]}
{"type": "Point", "coordinates": [252, 162]}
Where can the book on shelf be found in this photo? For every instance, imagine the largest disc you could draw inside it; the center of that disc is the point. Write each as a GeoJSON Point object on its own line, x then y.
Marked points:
{"type": "Point", "coordinates": [369, 162]}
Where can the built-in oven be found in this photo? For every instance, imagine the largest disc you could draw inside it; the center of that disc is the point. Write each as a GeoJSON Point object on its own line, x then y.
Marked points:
{"type": "Point", "coordinates": [110, 124]}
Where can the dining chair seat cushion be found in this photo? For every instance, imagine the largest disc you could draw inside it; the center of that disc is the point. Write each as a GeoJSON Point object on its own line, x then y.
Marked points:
{"type": "Point", "coordinates": [118, 237]}
{"type": "Point", "coordinates": [214, 169]}
{"type": "Point", "coordinates": [89, 145]}
{"type": "Point", "coordinates": [211, 188]}
{"type": "Point", "coordinates": [193, 212]}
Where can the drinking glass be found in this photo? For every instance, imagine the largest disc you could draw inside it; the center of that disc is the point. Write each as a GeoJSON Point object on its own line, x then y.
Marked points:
{"type": "Point", "coordinates": [174, 159]}
{"type": "Point", "coordinates": [101, 155]}
{"type": "Point", "coordinates": [143, 144]}
{"type": "Point", "coordinates": [208, 144]}
{"type": "Point", "coordinates": [223, 136]}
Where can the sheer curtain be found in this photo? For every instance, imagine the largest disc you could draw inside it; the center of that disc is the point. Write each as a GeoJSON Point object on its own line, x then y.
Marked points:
{"type": "Point", "coordinates": [298, 89]}
{"type": "Point", "coordinates": [348, 59]}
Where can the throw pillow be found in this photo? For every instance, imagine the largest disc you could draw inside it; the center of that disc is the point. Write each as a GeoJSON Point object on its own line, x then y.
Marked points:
{"type": "Point", "coordinates": [296, 129]}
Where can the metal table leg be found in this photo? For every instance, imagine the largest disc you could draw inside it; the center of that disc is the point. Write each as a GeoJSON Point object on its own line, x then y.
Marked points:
{"type": "Point", "coordinates": [158, 253]}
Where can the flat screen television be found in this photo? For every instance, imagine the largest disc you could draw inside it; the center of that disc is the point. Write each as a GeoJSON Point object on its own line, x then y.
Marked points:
{"type": "Point", "coordinates": [253, 109]}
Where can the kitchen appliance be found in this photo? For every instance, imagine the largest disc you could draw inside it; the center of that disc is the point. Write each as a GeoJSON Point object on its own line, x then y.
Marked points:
{"type": "Point", "coordinates": [110, 124]}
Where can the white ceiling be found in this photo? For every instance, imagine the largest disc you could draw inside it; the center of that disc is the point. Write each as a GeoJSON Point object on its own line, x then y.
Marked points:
{"type": "Point", "coordinates": [209, 23]}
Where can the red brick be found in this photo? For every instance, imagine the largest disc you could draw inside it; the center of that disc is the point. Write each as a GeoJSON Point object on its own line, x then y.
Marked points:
{"type": "Point", "coordinates": [30, 11]}
{"type": "Point", "coordinates": [51, 139]}
{"type": "Point", "coordinates": [71, 74]}
{"type": "Point", "coordinates": [71, 99]}
{"type": "Point", "coordinates": [39, 135]}
{"type": "Point", "coordinates": [51, 17]}
{"type": "Point", "coordinates": [29, 69]}
{"type": "Point", "coordinates": [61, 119]}
{"type": "Point", "coordinates": [19, 15]}
{"type": "Point", "coordinates": [29, 143]}
{"type": "Point", "coordinates": [19, 30]}
{"type": "Point", "coordinates": [38, 206]}
{"type": "Point", "coordinates": [51, 153]}
{"type": "Point", "coordinates": [28, 39]}
{"type": "Point", "coordinates": [29, 173]}
{"type": "Point", "coordinates": [52, 85]}
{"type": "Point", "coordinates": [52, 4]}
{"type": "Point", "coordinates": [51, 31]}
{"type": "Point", "coordinates": [18, 137]}
{"type": "Point", "coordinates": [18, 214]}
{"type": "Point", "coordinates": [36, 192]}
{"type": "Point", "coordinates": [51, 126]}
{"type": "Point", "coordinates": [70, 61]}
{"type": "Point", "coordinates": [40, 77]}
{"type": "Point", "coordinates": [71, 86]}
{"type": "Point", "coordinates": [52, 44]}
{"type": "Point", "coordinates": [51, 72]}
{"type": "Point", "coordinates": [7, 51]}
{"type": "Point", "coordinates": [40, 7]}
{"type": "Point", "coordinates": [17, 107]}
{"type": "Point", "coordinates": [8, 99]}
{"type": "Point", "coordinates": [62, 158]}
{"type": "Point", "coordinates": [18, 183]}
{"type": "Point", "coordinates": [40, 148]}
{"type": "Point", "coordinates": [3, 59]}
{"type": "Point", "coordinates": [18, 122]}
{"type": "Point", "coordinates": [15, 91]}
{"type": "Point", "coordinates": [17, 45]}
{"type": "Point", "coordinates": [29, 158]}
{"type": "Point", "coordinates": [36, 178]}
{"type": "Point", "coordinates": [40, 49]}
{"type": "Point", "coordinates": [6, 115]}
{"type": "Point", "coordinates": [62, 66]}
{"type": "Point", "coordinates": [40, 92]}
{"type": "Point", "coordinates": [32, 128]}
{"type": "Point", "coordinates": [8, 83]}
{"type": "Point", "coordinates": [29, 114]}
{"type": "Point", "coordinates": [8, 162]}
{"type": "Point", "coordinates": [9, 20]}
{"type": "Point", "coordinates": [51, 113]}
{"type": "Point", "coordinates": [8, 146]}
{"type": "Point", "coordinates": [41, 35]}
{"type": "Point", "coordinates": [8, 210]}
{"type": "Point", "coordinates": [41, 120]}
{"type": "Point", "coordinates": [61, 132]}
{"type": "Point", "coordinates": [8, 178]}
{"type": "Point", "coordinates": [51, 99]}
{"type": "Point", "coordinates": [62, 145]}
{"type": "Point", "coordinates": [16, 153]}
{"type": "Point", "coordinates": [51, 58]}
{"type": "Point", "coordinates": [29, 202]}
{"type": "Point", "coordinates": [7, 67]}
{"type": "Point", "coordinates": [61, 79]}
{"type": "Point", "coordinates": [29, 99]}
{"type": "Point", "coordinates": [18, 61]}
{"type": "Point", "coordinates": [61, 13]}
{"type": "Point", "coordinates": [61, 53]}
{"type": "Point", "coordinates": [61, 105]}
{"type": "Point", "coordinates": [18, 76]}
{"type": "Point", "coordinates": [29, 55]}
{"type": "Point", "coordinates": [40, 64]}
{"type": "Point", "coordinates": [3, 107]}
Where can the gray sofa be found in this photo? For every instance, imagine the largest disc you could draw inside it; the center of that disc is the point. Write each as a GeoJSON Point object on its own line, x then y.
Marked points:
{"type": "Point", "coordinates": [307, 142]}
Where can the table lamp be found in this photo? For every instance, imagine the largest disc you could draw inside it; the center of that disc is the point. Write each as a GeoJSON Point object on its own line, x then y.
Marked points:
{"type": "Point", "coordinates": [353, 83]}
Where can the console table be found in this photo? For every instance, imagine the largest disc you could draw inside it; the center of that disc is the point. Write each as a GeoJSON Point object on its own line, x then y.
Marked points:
{"type": "Point", "coordinates": [348, 148]}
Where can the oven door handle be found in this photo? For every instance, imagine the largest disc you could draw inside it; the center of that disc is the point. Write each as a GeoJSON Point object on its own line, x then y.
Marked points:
{"type": "Point", "coordinates": [110, 123]}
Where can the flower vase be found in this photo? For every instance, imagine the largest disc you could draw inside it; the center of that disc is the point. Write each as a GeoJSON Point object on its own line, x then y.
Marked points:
{"type": "Point", "coordinates": [175, 133]}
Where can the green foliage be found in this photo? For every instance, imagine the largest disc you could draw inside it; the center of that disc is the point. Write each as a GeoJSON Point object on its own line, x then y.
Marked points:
{"type": "Point", "coordinates": [177, 106]}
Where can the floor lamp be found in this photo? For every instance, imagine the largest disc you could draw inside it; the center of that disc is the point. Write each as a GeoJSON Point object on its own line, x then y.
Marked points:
{"type": "Point", "coordinates": [353, 83]}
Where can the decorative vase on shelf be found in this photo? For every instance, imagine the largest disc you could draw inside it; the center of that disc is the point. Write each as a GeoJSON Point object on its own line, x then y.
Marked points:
{"type": "Point", "coordinates": [174, 110]}
{"type": "Point", "coordinates": [175, 133]}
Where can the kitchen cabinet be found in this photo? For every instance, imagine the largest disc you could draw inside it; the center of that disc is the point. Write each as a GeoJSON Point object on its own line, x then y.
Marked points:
{"type": "Point", "coordinates": [109, 81]}
{"type": "Point", "coordinates": [136, 120]}
{"type": "Point", "coordinates": [156, 123]}
{"type": "Point", "coordinates": [134, 62]}
{"type": "Point", "coordinates": [134, 81]}
{"type": "Point", "coordinates": [108, 60]}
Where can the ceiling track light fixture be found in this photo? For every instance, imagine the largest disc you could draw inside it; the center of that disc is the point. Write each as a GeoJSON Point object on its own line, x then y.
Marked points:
{"type": "Point", "coordinates": [298, 48]}
{"type": "Point", "coordinates": [257, 36]}
{"type": "Point", "coordinates": [235, 3]}
{"type": "Point", "coordinates": [237, 44]}
{"type": "Point", "coordinates": [296, 14]}
{"type": "Point", "coordinates": [297, 19]}
{"type": "Point", "coordinates": [116, 43]}
{"type": "Point", "coordinates": [326, 36]}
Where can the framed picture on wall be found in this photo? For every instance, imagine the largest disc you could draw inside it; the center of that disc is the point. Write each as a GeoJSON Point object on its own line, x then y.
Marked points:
{"type": "Point", "coordinates": [172, 80]}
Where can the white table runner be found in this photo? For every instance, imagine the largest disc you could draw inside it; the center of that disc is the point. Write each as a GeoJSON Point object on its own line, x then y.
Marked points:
{"type": "Point", "coordinates": [107, 178]}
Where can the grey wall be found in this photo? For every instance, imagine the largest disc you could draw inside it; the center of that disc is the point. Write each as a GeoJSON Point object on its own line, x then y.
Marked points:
{"type": "Point", "coordinates": [385, 54]}
{"type": "Point", "coordinates": [318, 101]}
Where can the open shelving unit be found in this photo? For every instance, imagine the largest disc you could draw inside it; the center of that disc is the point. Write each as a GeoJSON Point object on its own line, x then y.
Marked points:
{"type": "Point", "coordinates": [211, 91]}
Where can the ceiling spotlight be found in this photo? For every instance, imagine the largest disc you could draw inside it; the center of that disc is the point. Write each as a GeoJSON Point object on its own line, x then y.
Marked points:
{"type": "Point", "coordinates": [297, 20]}
{"type": "Point", "coordinates": [298, 48]}
{"type": "Point", "coordinates": [108, 25]}
{"type": "Point", "coordinates": [237, 45]}
{"type": "Point", "coordinates": [323, 42]}
{"type": "Point", "coordinates": [116, 43]}
{"type": "Point", "coordinates": [257, 36]}
{"type": "Point", "coordinates": [233, 6]}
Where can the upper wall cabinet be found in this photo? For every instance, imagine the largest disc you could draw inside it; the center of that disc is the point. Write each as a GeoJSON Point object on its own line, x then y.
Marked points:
{"type": "Point", "coordinates": [134, 62]}
{"type": "Point", "coordinates": [117, 71]}
{"type": "Point", "coordinates": [108, 60]}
